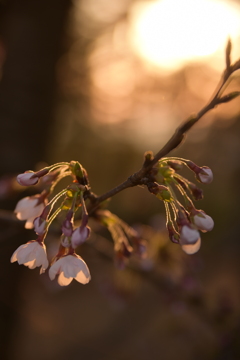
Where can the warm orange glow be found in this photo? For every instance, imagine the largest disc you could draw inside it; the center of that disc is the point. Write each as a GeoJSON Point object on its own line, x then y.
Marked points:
{"type": "Point", "coordinates": [171, 33]}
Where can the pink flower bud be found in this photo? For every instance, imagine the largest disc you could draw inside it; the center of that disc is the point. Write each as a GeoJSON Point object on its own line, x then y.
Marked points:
{"type": "Point", "coordinates": [28, 178]}
{"type": "Point", "coordinates": [39, 225]}
{"type": "Point", "coordinates": [203, 221]}
{"type": "Point", "coordinates": [205, 176]}
{"type": "Point", "coordinates": [67, 227]}
{"type": "Point", "coordinates": [80, 235]}
{"type": "Point", "coordinates": [188, 235]}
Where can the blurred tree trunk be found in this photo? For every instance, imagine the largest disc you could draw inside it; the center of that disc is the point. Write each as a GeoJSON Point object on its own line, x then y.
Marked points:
{"type": "Point", "coordinates": [31, 32]}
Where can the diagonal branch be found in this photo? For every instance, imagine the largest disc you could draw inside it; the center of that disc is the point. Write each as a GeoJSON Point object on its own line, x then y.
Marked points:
{"type": "Point", "coordinates": [177, 138]}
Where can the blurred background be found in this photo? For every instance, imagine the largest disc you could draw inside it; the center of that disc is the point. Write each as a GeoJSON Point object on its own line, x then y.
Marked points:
{"type": "Point", "coordinates": [101, 82]}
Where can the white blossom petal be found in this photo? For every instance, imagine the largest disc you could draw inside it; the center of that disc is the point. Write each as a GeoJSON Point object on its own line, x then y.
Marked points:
{"type": "Point", "coordinates": [192, 248]}
{"type": "Point", "coordinates": [64, 281]}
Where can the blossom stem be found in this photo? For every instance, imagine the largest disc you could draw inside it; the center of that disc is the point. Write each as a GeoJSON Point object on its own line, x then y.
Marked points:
{"type": "Point", "coordinates": [53, 216]}
{"type": "Point", "coordinates": [60, 177]}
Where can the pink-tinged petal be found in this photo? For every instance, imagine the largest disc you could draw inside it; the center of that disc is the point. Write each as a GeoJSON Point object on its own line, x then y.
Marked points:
{"type": "Point", "coordinates": [29, 224]}
{"type": "Point", "coordinates": [55, 269]}
{"type": "Point", "coordinates": [70, 267]}
{"type": "Point", "coordinates": [21, 253]}
{"type": "Point", "coordinates": [82, 278]}
{"type": "Point", "coordinates": [31, 254]}
{"type": "Point", "coordinates": [192, 248]}
{"type": "Point", "coordinates": [28, 208]}
{"type": "Point", "coordinates": [14, 257]}
{"type": "Point", "coordinates": [26, 203]}
{"type": "Point", "coordinates": [83, 267]}
{"type": "Point", "coordinates": [64, 281]}
{"type": "Point", "coordinates": [31, 264]}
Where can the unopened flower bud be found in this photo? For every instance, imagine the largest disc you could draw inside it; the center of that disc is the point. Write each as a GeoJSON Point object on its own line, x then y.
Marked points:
{"type": "Point", "coordinates": [28, 178]}
{"type": "Point", "coordinates": [80, 235]}
{"type": "Point", "coordinates": [39, 225]}
{"type": "Point", "coordinates": [203, 221]}
{"type": "Point", "coordinates": [205, 176]}
{"type": "Point", "coordinates": [65, 241]}
{"type": "Point", "coordinates": [188, 235]}
{"type": "Point", "coordinates": [67, 227]}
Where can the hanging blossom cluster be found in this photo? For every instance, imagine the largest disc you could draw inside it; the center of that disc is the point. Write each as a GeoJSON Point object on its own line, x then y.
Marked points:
{"type": "Point", "coordinates": [39, 213]}
{"type": "Point", "coordinates": [183, 221]}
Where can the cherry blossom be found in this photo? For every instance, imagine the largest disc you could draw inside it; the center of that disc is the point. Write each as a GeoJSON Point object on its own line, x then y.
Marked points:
{"type": "Point", "coordinates": [31, 254]}
{"type": "Point", "coordinates": [28, 209]}
{"type": "Point", "coordinates": [70, 267]}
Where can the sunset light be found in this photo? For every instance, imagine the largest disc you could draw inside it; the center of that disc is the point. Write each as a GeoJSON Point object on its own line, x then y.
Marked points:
{"type": "Point", "coordinates": [171, 33]}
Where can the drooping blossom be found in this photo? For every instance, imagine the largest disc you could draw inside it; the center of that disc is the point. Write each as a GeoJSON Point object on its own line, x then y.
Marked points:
{"type": "Point", "coordinates": [31, 254]}
{"type": "Point", "coordinates": [70, 267]}
{"type": "Point", "coordinates": [28, 209]}
{"type": "Point", "coordinates": [203, 221]}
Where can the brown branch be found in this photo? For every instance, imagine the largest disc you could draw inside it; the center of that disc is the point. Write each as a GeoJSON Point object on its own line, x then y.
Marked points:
{"type": "Point", "coordinates": [177, 138]}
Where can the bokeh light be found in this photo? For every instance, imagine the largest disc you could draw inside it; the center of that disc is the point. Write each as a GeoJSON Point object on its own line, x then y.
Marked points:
{"type": "Point", "coordinates": [171, 33]}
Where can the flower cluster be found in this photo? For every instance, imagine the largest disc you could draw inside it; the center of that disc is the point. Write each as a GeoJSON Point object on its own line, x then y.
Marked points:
{"type": "Point", "coordinates": [39, 213]}
{"type": "Point", "coordinates": [183, 222]}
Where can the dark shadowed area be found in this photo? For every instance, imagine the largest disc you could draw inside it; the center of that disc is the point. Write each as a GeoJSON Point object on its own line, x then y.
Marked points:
{"type": "Point", "coordinates": [73, 87]}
